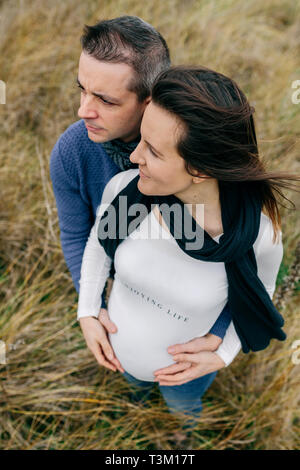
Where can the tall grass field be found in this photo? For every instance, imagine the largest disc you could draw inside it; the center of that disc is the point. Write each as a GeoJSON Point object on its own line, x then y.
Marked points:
{"type": "Point", "coordinates": [53, 393]}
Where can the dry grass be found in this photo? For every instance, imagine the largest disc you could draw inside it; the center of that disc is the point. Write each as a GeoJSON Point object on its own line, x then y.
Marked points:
{"type": "Point", "coordinates": [53, 394]}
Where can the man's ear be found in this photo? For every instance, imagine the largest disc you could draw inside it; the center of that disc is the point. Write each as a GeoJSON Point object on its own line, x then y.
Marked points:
{"type": "Point", "coordinates": [146, 102]}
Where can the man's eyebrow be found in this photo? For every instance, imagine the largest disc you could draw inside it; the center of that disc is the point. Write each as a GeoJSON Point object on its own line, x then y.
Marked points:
{"type": "Point", "coordinates": [156, 151]}
{"type": "Point", "coordinates": [101, 95]}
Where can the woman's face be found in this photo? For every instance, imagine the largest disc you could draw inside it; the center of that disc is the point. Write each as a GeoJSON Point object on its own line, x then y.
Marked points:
{"type": "Point", "coordinates": [157, 156]}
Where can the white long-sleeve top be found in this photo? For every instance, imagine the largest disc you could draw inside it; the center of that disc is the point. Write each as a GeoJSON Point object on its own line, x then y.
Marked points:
{"type": "Point", "coordinates": [160, 295]}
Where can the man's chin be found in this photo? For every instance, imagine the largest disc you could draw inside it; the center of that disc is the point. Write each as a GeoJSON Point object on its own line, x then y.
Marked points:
{"type": "Point", "coordinates": [98, 137]}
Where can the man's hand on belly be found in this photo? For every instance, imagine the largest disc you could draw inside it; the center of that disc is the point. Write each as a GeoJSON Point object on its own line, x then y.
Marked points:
{"type": "Point", "coordinates": [97, 341]}
{"type": "Point", "coordinates": [110, 327]}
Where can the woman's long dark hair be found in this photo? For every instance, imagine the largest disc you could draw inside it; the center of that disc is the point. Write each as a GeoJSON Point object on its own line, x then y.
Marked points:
{"type": "Point", "coordinates": [219, 138]}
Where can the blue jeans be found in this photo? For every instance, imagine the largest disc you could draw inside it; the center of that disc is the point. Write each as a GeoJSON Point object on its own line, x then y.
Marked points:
{"type": "Point", "coordinates": [184, 398]}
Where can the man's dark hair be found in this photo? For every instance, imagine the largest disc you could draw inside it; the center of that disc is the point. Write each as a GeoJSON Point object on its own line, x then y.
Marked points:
{"type": "Point", "coordinates": [130, 40]}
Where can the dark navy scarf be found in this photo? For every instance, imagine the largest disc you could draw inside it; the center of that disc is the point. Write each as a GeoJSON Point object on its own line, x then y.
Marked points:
{"type": "Point", "coordinates": [120, 151]}
{"type": "Point", "coordinates": [254, 315]}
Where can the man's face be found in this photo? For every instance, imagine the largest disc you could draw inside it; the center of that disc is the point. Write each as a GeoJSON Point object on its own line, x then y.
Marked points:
{"type": "Point", "coordinates": [116, 112]}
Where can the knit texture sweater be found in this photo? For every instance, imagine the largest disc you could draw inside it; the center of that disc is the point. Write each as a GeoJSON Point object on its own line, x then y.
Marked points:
{"type": "Point", "coordinates": [80, 170]}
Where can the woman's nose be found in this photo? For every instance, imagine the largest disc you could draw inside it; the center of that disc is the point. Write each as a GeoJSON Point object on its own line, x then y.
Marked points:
{"type": "Point", "coordinates": [136, 156]}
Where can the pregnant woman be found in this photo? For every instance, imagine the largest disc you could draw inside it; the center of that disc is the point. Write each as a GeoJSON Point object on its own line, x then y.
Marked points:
{"type": "Point", "coordinates": [175, 270]}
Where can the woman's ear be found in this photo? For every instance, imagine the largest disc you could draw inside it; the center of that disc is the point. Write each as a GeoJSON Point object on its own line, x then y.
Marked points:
{"type": "Point", "coordinates": [199, 177]}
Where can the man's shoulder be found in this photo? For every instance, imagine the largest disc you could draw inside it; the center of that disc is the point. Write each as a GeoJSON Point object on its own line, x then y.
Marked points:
{"type": "Point", "coordinates": [75, 127]}
{"type": "Point", "coordinates": [75, 153]}
{"type": "Point", "coordinates": [75, 139]}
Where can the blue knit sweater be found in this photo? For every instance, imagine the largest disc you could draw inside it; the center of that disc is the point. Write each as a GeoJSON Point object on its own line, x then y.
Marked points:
{"type": "Point", "coordinates": [80, 170]}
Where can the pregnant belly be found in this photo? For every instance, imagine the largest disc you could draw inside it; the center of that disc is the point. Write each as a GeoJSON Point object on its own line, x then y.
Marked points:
{"type": "Point", "coordinates": [140, 351]}
{"type": "Point", "coordinates": [140, 356]}
{"type": "Point", "coordinates": [144, 335]}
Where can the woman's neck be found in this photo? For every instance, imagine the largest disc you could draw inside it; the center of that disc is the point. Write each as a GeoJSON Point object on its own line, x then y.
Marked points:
{"type": "Point", "coordinates": [206, 193]}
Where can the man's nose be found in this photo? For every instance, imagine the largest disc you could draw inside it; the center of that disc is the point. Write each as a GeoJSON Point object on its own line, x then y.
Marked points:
{"type": "Point", "coordinates": [87, 109]}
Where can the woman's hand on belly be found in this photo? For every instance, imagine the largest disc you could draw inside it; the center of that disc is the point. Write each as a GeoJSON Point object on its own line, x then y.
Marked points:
{"type": "Point", "coordinates": [187, 369]}
{"type": "Point", "coordinates": [189, 366]}
{"type": "Point", "coordinates": [208, 342]}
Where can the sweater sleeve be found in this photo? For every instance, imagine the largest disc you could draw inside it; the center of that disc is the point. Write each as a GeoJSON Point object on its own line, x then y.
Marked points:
{"type": "Point", "coordinates": [74, 214]}
{"type": "Point", "coordinates": [268, 257]}
{"type": "Point", "coordinates": [221, 324]}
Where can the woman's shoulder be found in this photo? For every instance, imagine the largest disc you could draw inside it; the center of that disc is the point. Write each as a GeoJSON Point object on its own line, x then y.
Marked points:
{"type": "Point", "coordinates": [117, 183]}
{"type": "Point", "coordinates": [266, 240]}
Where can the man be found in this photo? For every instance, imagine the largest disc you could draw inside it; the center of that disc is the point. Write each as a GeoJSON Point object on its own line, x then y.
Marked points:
{"type": "Point", "coordinates": [119, 62]}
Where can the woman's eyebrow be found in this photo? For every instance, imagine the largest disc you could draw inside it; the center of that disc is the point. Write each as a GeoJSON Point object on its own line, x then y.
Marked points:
{"type": "Point", "coordinates": [100, 95]}
{"type": "Point", "coordinates": [156, 151]}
